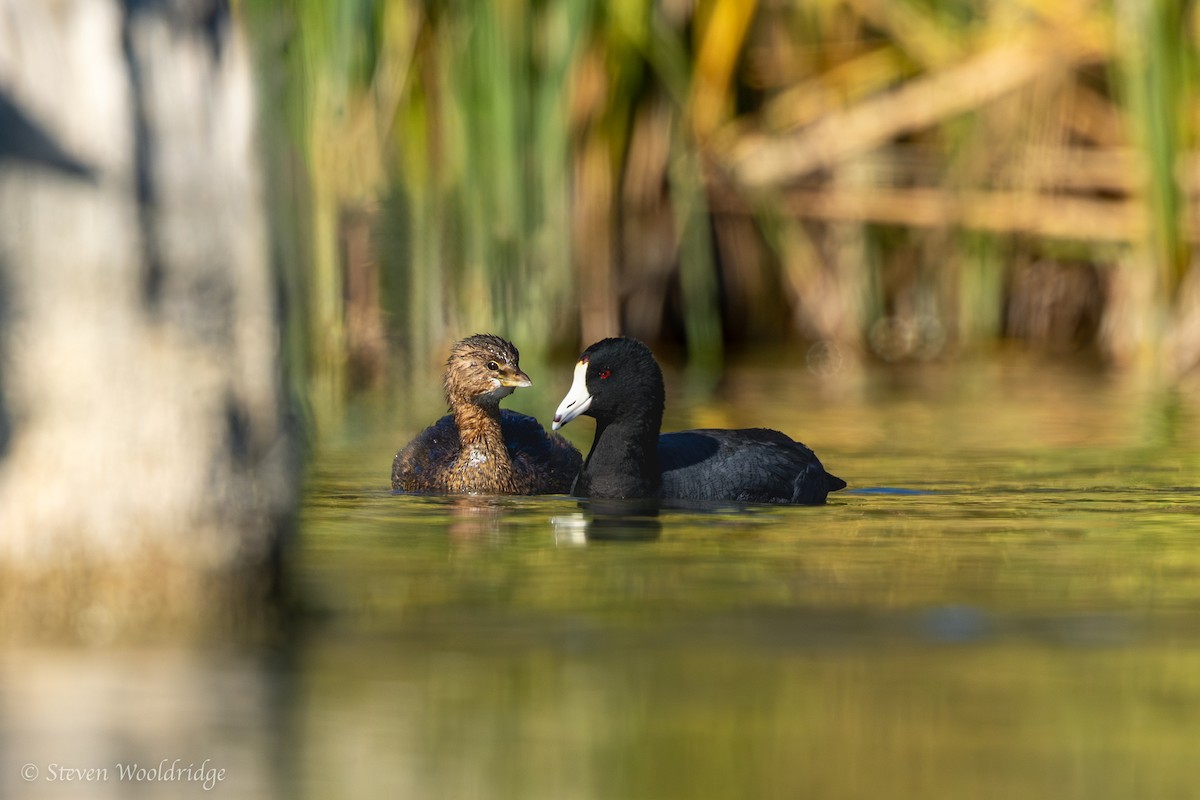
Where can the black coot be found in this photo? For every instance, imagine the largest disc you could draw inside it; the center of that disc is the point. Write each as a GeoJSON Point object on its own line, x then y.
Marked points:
{"type": "Point", "coordinates": [618, 382]}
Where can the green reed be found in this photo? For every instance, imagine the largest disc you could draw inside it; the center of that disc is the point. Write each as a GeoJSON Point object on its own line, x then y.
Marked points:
{"type": "Point", "coordinates": [1154, 67]}
{"type": "Point", "coordinates": [556, 171]}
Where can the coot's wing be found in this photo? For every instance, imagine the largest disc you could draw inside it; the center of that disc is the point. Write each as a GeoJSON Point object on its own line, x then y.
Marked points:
{"type": "Point", "coordinates": [544, 463]}
{"type": "Point", "coordinates": [753, 465]}
{"type": "Point", "coordinates": [420, 465]}
{"type": "Point", "coordinates": [809, 483]}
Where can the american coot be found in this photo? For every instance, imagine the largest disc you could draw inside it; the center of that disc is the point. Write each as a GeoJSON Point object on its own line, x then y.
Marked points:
{"type": "Point", "coordinates": [477, 448]}
{"type": "Point", "coordinates": [618, 382]}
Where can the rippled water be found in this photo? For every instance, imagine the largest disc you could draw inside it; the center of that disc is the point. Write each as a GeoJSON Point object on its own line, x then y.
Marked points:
{"type": "Point", "coordinates": [1006, 603]}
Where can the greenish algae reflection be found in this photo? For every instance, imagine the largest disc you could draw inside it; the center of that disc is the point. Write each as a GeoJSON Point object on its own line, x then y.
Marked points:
{"type": "Point", "coordinates": [1024, 624]}
{"type": "Point", "coordinates": [595, 719]}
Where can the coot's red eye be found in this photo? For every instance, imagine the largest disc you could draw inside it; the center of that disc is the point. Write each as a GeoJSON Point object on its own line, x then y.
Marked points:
{"type": "Point", "coordinates": [604, 373]}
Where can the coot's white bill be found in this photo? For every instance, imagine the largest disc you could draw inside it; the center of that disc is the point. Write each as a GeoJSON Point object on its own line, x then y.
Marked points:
{"type": "Point", "coordinates": [577, 400]}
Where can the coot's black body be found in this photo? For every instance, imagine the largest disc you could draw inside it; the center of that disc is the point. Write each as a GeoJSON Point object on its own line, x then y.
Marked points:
{"type": "Point", "coordinates": [751, 465]}
{"type": "Point", "coordinates": [618, 382]}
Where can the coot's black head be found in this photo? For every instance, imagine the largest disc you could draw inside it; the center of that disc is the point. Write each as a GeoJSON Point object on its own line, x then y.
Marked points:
{"type": "Point", "coordinates": [614, 378]}
{"type": "Point", "coordinates": [482, 369]}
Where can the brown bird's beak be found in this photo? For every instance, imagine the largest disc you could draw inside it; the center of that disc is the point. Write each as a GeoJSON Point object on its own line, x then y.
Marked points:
{"type": "Point", "coordinates": [516, 380]}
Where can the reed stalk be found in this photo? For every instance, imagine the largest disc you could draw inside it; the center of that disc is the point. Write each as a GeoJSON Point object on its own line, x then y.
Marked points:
{"type": "Point", "coordinates": [1151, 73]}
{"type": "Point", "coordinates": [558, 170]}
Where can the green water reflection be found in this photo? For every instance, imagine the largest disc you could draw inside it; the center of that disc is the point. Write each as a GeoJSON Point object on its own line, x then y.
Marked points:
{"type": "Point", "coordinates": [1006, 604]}
{"type": "Point", "coordinates": [1021, 620]}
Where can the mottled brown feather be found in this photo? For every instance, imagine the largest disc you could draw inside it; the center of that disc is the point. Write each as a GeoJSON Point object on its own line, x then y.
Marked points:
{"type": "Point", "coordinates": [478, 448]}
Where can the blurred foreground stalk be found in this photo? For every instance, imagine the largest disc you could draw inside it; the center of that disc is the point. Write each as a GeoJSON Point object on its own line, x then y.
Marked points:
{"type": "Point", "coordinates": [147, 473]}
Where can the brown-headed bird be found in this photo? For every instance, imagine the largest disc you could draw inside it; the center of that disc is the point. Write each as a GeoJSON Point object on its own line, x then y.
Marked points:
{"type": "Point", "coordinates": [478, 448]}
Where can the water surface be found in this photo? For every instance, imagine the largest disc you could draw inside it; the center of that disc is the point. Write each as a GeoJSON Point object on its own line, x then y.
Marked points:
{"type": "Point", "coordinates": [1006, 603]}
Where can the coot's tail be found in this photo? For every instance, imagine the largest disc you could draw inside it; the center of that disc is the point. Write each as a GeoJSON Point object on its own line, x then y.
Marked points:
{"type": "Point", "coordinates": [813, 483]}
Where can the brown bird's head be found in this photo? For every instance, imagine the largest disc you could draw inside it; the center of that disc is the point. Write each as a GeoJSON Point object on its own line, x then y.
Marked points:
{"type": "Point", "coordinates": [481, 370]}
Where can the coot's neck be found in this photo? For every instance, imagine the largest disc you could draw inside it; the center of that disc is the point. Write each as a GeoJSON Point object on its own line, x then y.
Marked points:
{"type": "Point", "coordinates": [623, 461]}
{"type": "Point", "coordinates": [483, 464]}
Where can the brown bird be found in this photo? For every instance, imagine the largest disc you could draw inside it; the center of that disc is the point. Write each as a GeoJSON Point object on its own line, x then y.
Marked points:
{"type": "Point", "coordinates": [478, 448]}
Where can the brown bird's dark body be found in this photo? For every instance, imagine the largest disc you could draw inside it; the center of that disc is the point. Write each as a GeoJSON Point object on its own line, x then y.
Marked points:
{"type": "Point", "coordinates": [477, 448]}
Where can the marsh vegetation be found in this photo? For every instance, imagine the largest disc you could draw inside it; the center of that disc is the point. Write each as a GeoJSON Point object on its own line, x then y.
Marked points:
{"type": "Point", "coordinates": [897, 181]}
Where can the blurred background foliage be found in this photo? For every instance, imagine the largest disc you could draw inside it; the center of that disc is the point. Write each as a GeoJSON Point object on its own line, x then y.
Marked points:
{"type": "Point", "coordinates": [874, 179]}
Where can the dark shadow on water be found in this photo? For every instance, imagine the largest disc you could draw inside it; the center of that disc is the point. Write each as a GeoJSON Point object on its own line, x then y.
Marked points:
{"type": "Point", "coordinates": [954, 624]}
{"type": "Point", "coordinates": [639, 519]}
{"type": "Point", "coordinates": [622, 520]}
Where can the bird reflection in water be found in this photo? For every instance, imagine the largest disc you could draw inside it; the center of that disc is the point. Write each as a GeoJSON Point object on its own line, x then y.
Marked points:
{"type": "Point", "coordinates": [474, 518]}
{"type": "Point", "coordinates": [610, 519]}
{"type": "Point", "coordinates": [480, 519]}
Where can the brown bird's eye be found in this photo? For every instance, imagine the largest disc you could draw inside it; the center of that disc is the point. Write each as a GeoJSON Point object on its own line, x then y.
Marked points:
{"type": "Point", "coordinates": [604, 373]}
{"type": "Point", "coordinates": [493, 366]}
